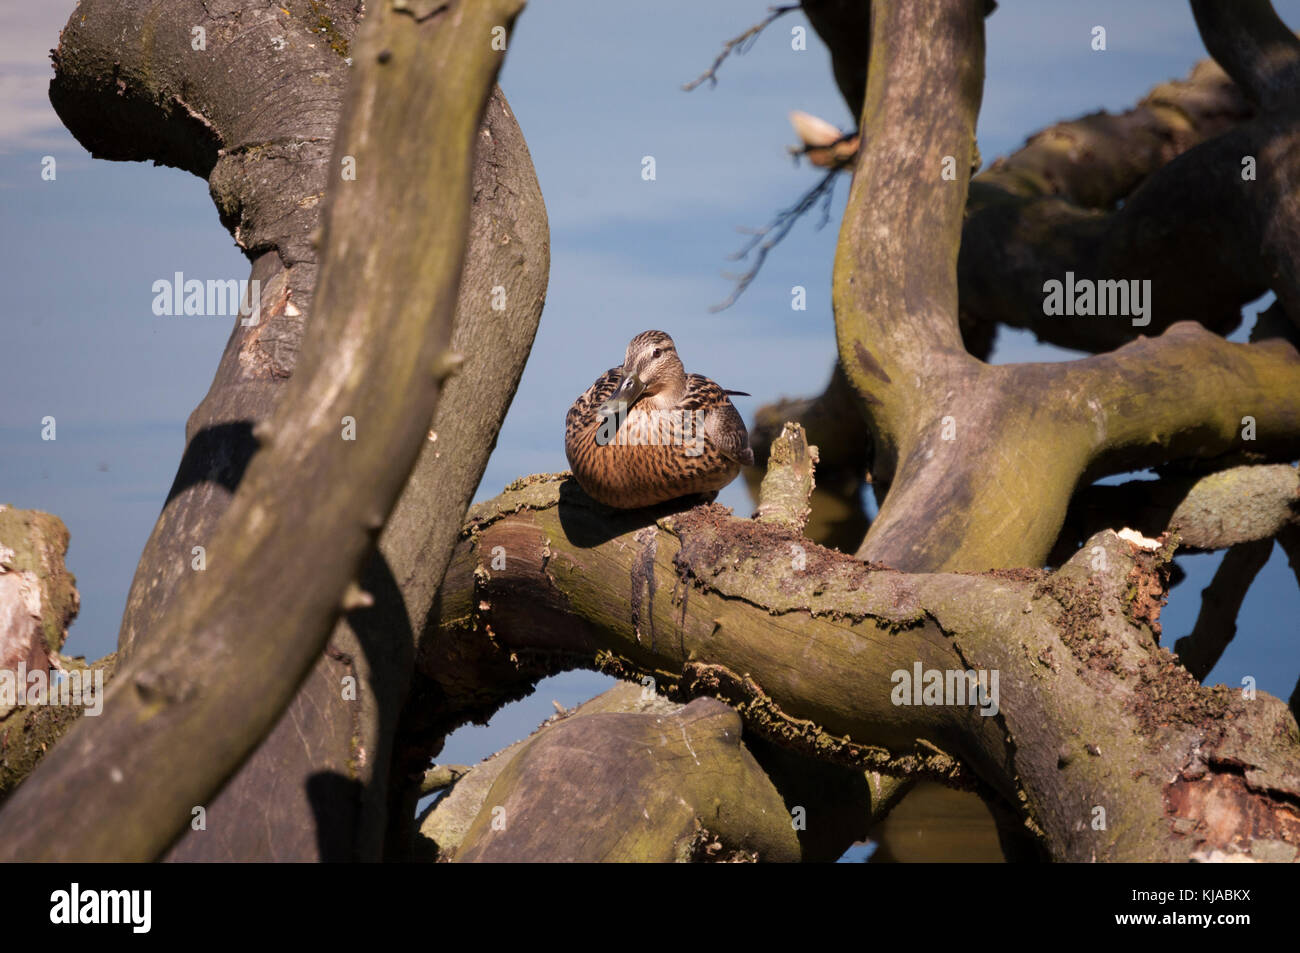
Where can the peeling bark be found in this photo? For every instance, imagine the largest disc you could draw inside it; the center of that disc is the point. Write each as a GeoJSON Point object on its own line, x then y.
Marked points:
{"type": "Point", "coordinates": [38, 601]}
{"type": "Point", "coordinates": [38, 596]}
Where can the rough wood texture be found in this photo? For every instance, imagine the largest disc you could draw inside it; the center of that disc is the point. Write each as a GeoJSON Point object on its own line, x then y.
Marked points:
{"type": "Point", "coordinates": [700, 795]}
{"type": "Point", "coordinates": [1086, 693]}
{"type": "Point", "coordinates": [832, 793]}
{"type": "Point", "coordinates": [264, 134]}
{"type": "Point", "coordinates": [944, 424]}
{"type": "Point", "coordinates": [255, 114]}
{"type": "Point", "coordinates": [442, 827]}
{"type": "Point", "coordinates": [370, 807]}
{"type": "Point", "coordinates": [38, 601]}
{"type": "Point", "coordinates": [227, 660]}
{"type": "Point", "coordinates": [38, 596]}
{"type": "Point", "coordinates": [1051, 207]}
{"type": "Point", "coordinates": [1216, 511]}
{"type": "Point", "coordinates": [789, 481]}
{"type": "Point", "coordinates": [980, 464]}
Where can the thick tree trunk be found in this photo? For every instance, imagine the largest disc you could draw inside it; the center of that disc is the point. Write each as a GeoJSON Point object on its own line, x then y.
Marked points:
{"type": "Point", "coordinates": [223, 663]}
{"type": "Point", "coordinates": [264, 134]}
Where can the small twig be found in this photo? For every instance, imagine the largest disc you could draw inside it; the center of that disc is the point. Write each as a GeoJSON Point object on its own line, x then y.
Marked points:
{"type": "Point", "coordinates": [768, 237]}
{"type": "Point", "coordinates": [740, 44]}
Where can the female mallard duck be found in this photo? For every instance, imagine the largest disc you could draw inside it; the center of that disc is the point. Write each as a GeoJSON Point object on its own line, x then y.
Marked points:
{"type": "Point", "coordinates": [647, 431]}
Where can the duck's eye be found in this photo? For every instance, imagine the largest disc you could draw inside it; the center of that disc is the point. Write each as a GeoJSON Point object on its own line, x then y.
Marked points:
{"type": "Point", "coordinates": [656, 352]}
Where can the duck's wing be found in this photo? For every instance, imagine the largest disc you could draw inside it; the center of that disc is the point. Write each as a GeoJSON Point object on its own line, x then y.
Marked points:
{"type": "Point", "coordinates": [723, 424]}
{"type": "Point", "coordinates": [584, 408]}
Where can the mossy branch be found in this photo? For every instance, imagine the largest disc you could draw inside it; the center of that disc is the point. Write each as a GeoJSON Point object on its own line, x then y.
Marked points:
{"type": "Point", "coordinates": [807, 649]}
{"type": "Point", "coordinates": [187, 709]}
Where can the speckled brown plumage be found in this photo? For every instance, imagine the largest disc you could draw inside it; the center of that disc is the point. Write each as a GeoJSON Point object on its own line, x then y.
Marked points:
{"type": "Point", "coordinates": [681, 435]}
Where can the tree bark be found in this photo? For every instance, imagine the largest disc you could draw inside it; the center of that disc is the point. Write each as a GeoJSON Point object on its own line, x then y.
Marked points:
{"type": "Point", "coordinates": [701, 795]}
{"type": "Point", "coordinates": [942, 422]}
{"type": "Point", "coordinates": [38, 601]}
{"type": "Point", "coordinates": [264, 133]}
{"type": "Point", "coordinates": [1101, 746]}
{"type": "Point", "coordinates": [243, 635]}
{"type": "Point", "coordinates": [1051, 207]}
{"type": "Point", "coordinates": [1092, 712]}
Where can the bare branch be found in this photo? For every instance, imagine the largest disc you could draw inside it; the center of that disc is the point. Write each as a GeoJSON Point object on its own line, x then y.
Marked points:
{"type": "Point", "coordinates": [740, 44]}
{"type": "Point", "coordinates": [771, 235]}
{"type": "Point", "coordinates": [1211, 511]}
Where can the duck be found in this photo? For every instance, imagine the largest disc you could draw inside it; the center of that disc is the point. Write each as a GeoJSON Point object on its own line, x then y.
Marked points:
{"type": "Point", "coordinates": [647, 432]}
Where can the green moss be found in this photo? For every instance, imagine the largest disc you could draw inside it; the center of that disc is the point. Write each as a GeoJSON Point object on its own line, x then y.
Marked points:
{"type": "Point", "coordinates": [325, 25]}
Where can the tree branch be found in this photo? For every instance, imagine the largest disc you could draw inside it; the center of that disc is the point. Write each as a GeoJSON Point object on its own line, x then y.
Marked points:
{"type": "Point", "coordinates": [268, 183]}
{"type": "Point", "coordinates": [1052, 187]}
{"type": "Point", "coordinates": [739, 44]}
{"type": "Point", "coordinates": [214, 656]}
{"type": "Point", "coordinates": [897, 327]}
{"type": "Point", "coordinates": [701, 795]}
{"type": "Point", "coordinates": [806, 657]}
{"type": "Point", "coordinates": [1251, 43]}
{"type": "Point", "coordinates": [1216, 511]}
{"type": "Point", "coordinates": [789, 480]}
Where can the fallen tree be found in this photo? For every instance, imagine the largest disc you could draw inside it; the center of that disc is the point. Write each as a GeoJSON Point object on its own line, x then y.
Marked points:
{"type": "Point", "coordinates": [1093, 717]}
{"type": "Point", "coordinates": [836, 671]}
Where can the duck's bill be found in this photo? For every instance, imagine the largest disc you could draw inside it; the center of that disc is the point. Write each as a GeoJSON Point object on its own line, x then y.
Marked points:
{"type": "Point", "coordinates": [630, 387]}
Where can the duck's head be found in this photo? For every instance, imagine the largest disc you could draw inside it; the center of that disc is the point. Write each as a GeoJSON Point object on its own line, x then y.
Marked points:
{"type": "Point", "coordinates": [651, 369]}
